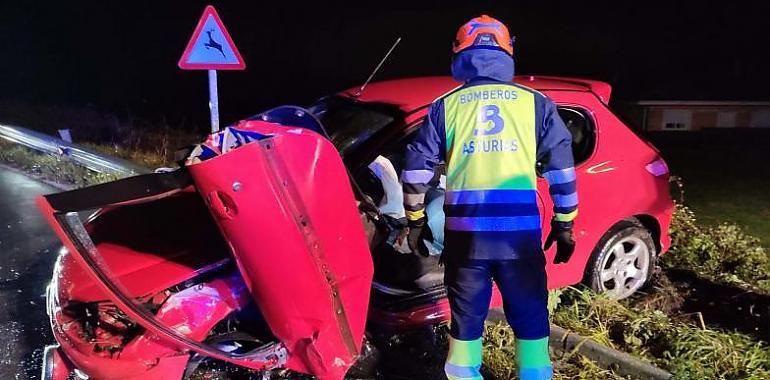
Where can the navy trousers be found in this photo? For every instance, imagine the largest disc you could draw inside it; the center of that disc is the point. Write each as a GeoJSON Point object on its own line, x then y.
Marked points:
{"type": "Point", "coordinates": [522, 283]}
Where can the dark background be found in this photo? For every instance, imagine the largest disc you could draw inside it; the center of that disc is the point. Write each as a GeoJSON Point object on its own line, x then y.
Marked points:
{"type": "Point", "coordinates": [122, 57]}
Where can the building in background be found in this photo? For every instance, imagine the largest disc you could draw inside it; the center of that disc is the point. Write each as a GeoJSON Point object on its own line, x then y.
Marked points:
{"type": "Point", "coordinates": [691, 115]}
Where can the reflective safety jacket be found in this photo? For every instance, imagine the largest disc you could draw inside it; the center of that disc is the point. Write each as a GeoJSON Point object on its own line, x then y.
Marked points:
{"type": "Point", "coordinates": [491, 134]}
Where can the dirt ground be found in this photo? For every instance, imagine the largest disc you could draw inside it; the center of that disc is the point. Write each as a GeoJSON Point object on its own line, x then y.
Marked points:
{"type": "Point", "coordinates": [724, 306]}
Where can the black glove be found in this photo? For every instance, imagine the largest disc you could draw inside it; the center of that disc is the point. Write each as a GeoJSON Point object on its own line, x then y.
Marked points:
{"type": "Point", "coordinates": [415, 237]}
{"type": "Point", "coordinates": [561, 233]}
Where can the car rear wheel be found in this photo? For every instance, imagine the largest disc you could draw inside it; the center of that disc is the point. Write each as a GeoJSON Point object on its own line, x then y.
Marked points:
{"type": "Point", "coordinates": [622, 262]}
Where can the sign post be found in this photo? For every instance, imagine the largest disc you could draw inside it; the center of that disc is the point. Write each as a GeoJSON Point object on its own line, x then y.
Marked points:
{"type": "Point", "coordinates": [213, 101]}
{"type": "Point", "coordinates": [212, 49]}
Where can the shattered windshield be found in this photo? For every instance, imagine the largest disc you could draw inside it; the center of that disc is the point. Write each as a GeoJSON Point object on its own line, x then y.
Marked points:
{"type": "Point", "coordinates": [351, 123]}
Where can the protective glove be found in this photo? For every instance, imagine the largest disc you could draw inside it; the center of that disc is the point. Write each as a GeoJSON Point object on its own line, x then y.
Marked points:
{"type": "Point", "coordinates": [414, 238]}
{"type": "Point", "coordinates": [561, 233]}
{"type": "Point", "coordinates": [396, 228]}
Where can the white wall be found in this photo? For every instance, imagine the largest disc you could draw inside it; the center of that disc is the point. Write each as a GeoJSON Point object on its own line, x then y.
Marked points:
{"type": "Point", "coordinates": [726, 119]}
{"type": "Point", "coordinates": [680, 117]}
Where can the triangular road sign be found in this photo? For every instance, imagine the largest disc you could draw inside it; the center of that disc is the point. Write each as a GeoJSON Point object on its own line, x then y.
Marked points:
{"type": "Point", "coordinates": [211, 47]}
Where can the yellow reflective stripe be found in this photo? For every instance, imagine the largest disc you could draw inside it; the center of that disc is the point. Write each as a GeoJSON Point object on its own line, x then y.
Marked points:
{"type": "Point", "coordinates": [559, 217]}
{"type": "Point", "coordinates": [465, 353]}
{"type": "Point", "coordinates": [415, 215]}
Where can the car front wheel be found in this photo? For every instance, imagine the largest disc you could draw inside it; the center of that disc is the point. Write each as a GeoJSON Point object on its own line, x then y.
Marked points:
{"type": "Point", "coordinates": [623, 261]}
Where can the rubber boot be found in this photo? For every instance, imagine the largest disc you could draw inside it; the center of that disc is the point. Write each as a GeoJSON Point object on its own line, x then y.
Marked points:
{"type": "Point", "coordinates": [464, 360]}
{"type": "Point", "coordinates": [534, 360]}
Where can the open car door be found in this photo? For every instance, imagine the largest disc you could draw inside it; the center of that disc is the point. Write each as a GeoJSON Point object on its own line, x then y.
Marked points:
{"type": "Point", "coordinates": [284, 208]}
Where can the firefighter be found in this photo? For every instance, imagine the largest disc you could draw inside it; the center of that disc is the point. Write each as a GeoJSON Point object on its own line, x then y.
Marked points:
{"type": "Point", "coordinates": [491, 134]}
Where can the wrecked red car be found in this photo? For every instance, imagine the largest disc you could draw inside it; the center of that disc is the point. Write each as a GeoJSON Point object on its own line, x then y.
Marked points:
{"type": "Point", "coordinates": [280, 255]}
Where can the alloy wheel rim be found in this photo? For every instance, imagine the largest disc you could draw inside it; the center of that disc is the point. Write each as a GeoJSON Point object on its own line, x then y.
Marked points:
{"type": "Point", "coordinates": [624, 268]}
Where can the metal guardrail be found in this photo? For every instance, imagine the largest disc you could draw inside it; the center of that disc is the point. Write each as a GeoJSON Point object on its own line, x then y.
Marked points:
{"type": "Point", "coordinates": [91, 159]}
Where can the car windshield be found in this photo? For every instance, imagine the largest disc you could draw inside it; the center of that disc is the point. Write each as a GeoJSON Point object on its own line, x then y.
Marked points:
{"type": "Point", "coordinates": [351, 123]}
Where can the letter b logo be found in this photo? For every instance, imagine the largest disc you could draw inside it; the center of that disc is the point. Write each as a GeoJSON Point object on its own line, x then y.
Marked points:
{"type": "Point", "coordinates": [489, 115]}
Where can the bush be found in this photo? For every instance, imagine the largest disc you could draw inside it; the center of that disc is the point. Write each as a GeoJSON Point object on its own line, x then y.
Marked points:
{"type": "Point", "coordinates": [722, 253]}
{"type": "Point", "coordinates": [679, 346]}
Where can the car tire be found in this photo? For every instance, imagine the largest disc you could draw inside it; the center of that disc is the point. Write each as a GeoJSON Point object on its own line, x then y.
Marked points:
{"type": "Point", "coordinates": [623, 261]}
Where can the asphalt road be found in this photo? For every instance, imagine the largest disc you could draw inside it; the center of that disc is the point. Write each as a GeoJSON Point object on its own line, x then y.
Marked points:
{"type": "Point", "coordinates": [28, 250]}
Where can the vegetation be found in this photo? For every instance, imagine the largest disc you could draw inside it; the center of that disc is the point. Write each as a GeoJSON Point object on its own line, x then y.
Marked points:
{"type": "Point", "coordinates": [148, 148]}
{"type": "Point", "coordinates": [725, 184]}
{"type": "Point", "coordinates": [150, 143]}
{"type": "Point", "coordinates": [722, 252]}
{"type": "Point", "coordinates": [500, 351]}
{"type": "Point", "coordinates": [648, 326]}
{"type": "Point", "coordinates": [684, 348]}
{"type": "Point", "coordinates": [56, 169]}
{"type": "Point", "coordinates": [147, 142]}
{"type": "Point", "coordinates": [688, 350]}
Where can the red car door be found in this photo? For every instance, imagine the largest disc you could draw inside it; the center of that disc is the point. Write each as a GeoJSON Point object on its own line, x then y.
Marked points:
{"type": "Point", "coordinates": [593, 188]}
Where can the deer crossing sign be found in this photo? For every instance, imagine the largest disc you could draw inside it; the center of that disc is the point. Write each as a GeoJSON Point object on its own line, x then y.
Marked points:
{"type": "Point", "coordinates": [211, 47]}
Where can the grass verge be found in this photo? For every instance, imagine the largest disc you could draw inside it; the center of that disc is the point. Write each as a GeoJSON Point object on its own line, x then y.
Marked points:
{"type": "Point", "coordinates": [148, 142]}
{"type": "Point", "coordinates": [649, 326]}
{"type": "Point", "coordinates": [686, 349]}
{"type": "Point", "coordinates": [499, 348]}
{"type": "Point", "coordinates": [51, 168]}
{"type": "Point", "coordinates": [722, 252]}
{"type": "Point", "coordinates": [725, 184]}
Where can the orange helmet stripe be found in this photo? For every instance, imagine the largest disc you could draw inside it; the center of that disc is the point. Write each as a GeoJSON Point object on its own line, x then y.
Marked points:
{"type": "Point", "coordinates": [483, 31]}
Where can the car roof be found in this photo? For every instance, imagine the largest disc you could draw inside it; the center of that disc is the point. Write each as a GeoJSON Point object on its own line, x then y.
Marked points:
{"type": "Point", "coordinates": [413, 93]}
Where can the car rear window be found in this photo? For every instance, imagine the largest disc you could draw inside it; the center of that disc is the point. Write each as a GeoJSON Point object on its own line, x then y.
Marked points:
{"type": "Point", "coordinates": [581, 127]}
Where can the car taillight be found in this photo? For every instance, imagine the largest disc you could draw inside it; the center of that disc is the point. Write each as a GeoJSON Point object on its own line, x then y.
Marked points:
{"type": "Point", "coordinates": [657, 168]}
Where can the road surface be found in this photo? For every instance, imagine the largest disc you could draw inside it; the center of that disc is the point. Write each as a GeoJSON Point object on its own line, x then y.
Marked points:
{"type": "Point", "coordinates": [28, 249]}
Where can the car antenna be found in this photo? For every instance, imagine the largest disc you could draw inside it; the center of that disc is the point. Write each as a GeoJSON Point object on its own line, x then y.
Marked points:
{"type": "Point", "coordinates": [376, 69]}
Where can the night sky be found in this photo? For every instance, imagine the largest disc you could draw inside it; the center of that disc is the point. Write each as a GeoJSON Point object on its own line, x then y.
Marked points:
{"type": "Point", "coordinates": [122, 56]}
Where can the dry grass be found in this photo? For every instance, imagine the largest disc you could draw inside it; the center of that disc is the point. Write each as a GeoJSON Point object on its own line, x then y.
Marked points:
{"type": "Point", "coordinates": [147, 142]}
{"type": "Point", "coordinates": [686, 349]}
{"type": "Point", "coordinates": [52, 168]}
{"type": "Point", "coordinates": [500, 353]}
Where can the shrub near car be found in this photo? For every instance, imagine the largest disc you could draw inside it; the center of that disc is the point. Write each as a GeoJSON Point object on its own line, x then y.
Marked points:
{"type": "Point", "coordinates": [224, 267]}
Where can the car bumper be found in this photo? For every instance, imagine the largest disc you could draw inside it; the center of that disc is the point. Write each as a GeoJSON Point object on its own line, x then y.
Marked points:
{"type": "Point", "coordinates": [73, 357]}
{"type": "Point", "coordinates": [57, 366]}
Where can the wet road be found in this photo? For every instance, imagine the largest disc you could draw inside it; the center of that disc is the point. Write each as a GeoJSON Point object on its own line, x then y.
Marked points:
{"type": "Point", "coordinates": [27, 252]}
